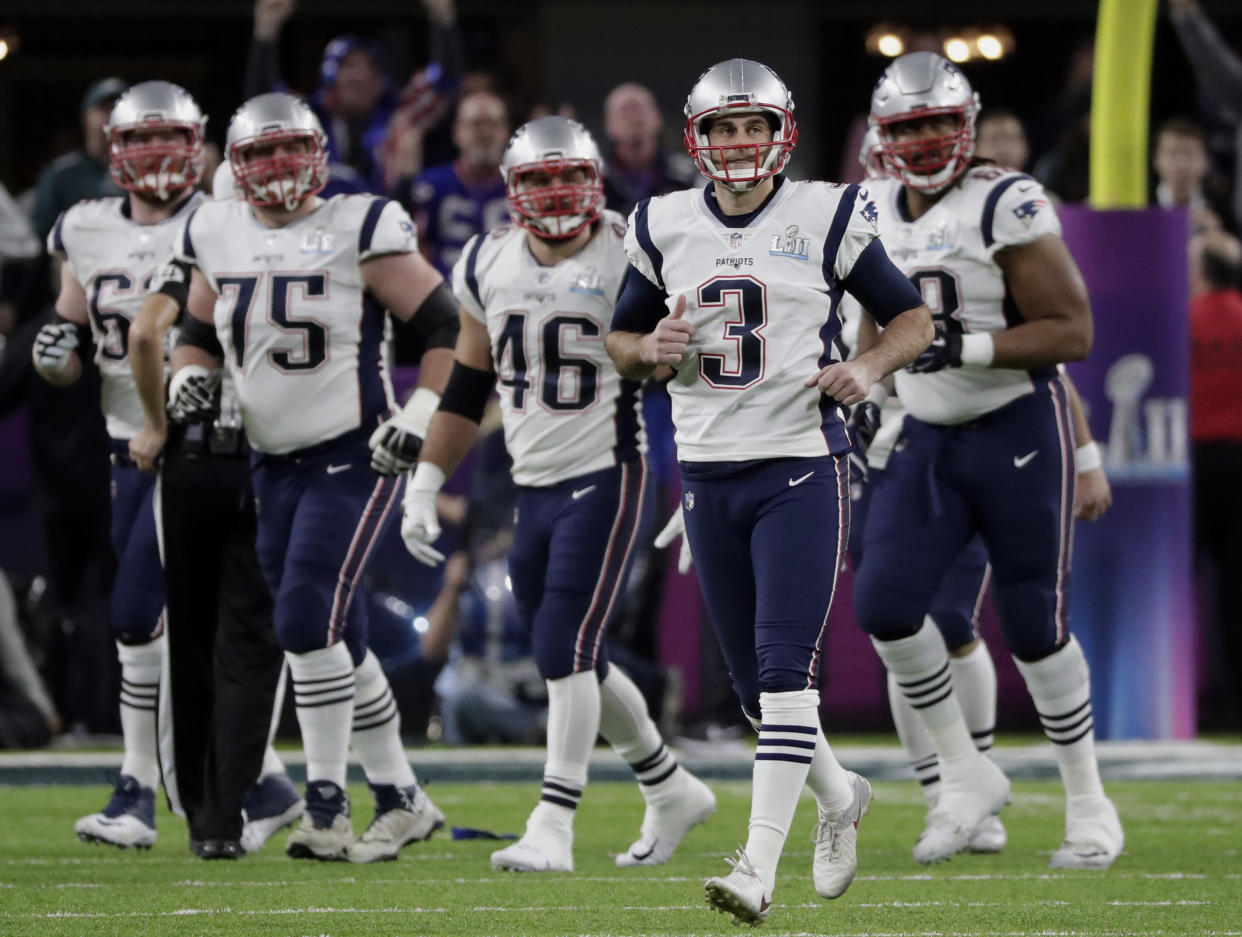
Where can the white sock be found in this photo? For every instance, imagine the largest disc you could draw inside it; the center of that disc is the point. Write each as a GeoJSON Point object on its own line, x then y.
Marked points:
{"type": "Point", "coordinates": [573, 724]}
{"type": "Point", "coordinates": [974, 682]}
{"type": "Point", "coordinates": [323, 692]}
{"type": "Point", "coordinates": [920, 665]}
{"type": "Point", "coordinates": [376, 738]}
{"type": "Point", "coordinates": [626, 725]}
{"type": "Point", "coordinates": [915, 742]}
{"type": "Point", "coordinates": [1060, 685]}
{"type": "Point", "coordinates": [140, 690]}
{"type": "Point", "coordinates": [787, 739]}
{"type": "Point", "coordinates": [271, 763]}
{"type": "Point", "coordinates": [827, 779]}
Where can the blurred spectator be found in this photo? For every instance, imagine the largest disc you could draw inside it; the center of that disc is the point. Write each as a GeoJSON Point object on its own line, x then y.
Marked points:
{"type": "Point", "coordinates": [1065, 169]}
{"type": "Point", "coordinates": [82, 173]}
{"type": "Point", "coordinates": [1216, 432]}
{"type": "Point", "coordinates": [1000, 137]}
{"type": "Point", "coordinates": [1182, 176]}
{"type": "Point", "coordinates": [636, 164]}
{"type": "Point", "coordinates": [356, 100]}
{"type": "Point", "coordinates": [1218, 70]}
{"type": "Point", "coordinates": [17, 245]}
{"type": "Point", "coordinates": [27, 717]}
{"type": "Point", "coordinates": [454, 202]}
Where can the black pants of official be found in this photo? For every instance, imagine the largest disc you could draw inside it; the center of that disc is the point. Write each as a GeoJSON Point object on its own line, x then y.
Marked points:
{"type": "Point", "coordinates": [1218, 553]}
{"type": "Point", "coordinates": [224, 662]}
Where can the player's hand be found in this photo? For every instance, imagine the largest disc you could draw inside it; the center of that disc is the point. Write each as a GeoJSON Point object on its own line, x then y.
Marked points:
{"type": "Point", "coordinates": [847, 382]}
{"type": "Point", "coordinates": [670, 341]}
{"type": "Point", "coordinates": [420, 527]}
{"type": "Point", "coordinates": [1093, 495]}
{"type": "Point", "coordinates": [676, 527]}
{"type": "Point", "coordinates": [192, 395]}
{"type": "Point", "coordinates": [945, 351]}
{"type": "Point", "coordinates": [270, 16]}
{"type": "Point", "coordinates": [394, 447]}
{"type": "Point", "coordinates": [145, 448]}
{"type": "Point", "coordinates": [861, 427]}
{"type": "Point", "coordinates": [53, 346]}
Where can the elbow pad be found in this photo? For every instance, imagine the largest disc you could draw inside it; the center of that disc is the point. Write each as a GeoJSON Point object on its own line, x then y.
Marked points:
{"type": "Point", "coordinates": [436, 319]}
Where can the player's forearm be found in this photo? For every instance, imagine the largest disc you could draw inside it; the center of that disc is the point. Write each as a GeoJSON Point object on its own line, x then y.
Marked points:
{"type": "Point", "coordinates": [434, 368]}
{"type": "Point", "coordinates": [146, 355]}
{"type": "Point", "coordinates": [1041, 343]}
{"type": "Point", "coordinates": [449, 439]}
{"type": "Point", "coordinates": [902, 340]}
{"type": "Point", "coordinates": [625, 350]}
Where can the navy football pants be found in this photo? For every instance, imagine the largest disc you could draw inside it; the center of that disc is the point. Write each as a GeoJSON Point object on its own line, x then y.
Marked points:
{"type": "Point", "coordinates": [137, 603]}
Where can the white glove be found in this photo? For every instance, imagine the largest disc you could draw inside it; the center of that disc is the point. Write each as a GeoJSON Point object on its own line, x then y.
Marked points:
{"type": "Point", "coordinates": [53, 344]}
{"type": "Point", "coordinates": [192, 394]}
{"type": "Point", "coordinates": [396, 443]}
{"type": "Point", "coordinates": [420, 525]}
{"type": "Point", "coordinates": [676, 527]}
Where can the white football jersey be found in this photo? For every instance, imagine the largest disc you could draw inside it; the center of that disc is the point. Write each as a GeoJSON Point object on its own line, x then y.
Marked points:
{"type": "Point", "coordinates": [949, 254]}
{"type": "Point", "coordinates": [566, 410]}
{"type": "Point", "coordinates": [114, 258]}
{"type": "Point", "coordinates": [302, 337]}
{"type": "Point", "coordinates": [763, 302]}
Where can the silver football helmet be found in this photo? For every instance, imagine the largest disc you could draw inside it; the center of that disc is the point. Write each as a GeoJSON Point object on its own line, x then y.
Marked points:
{"type": "Point", "coordinates": [870, 157]}
{"type": "Point", "coordinates": [554, 177]}
{"type": "Point", "coordinates": [740, 86]}
{"type": "Point", "coordinates": [155, 140]}
{"type": "Point", "coordinates": [278, 151]}
{"type": "Point", "coordinates": [916, 86]}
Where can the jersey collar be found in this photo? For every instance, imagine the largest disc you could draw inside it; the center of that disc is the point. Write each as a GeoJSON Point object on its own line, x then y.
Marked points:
{"type": "Point", "coordinates": [739, 221]}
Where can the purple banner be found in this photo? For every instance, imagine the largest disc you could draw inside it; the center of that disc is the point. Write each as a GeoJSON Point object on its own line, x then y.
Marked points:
{"type": "Point", "coordinates": [1132, 598]}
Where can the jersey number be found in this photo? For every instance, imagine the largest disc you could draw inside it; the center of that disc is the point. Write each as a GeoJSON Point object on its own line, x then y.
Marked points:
{"type": "Point", "coordinates": [746, 300]}
{"type": "Point", "coordinates": [940, 294]}
{"type": "Point", "coordinates": [568, 383]}
{"type": "Point", "coordinates": [110, 323]}
{"type": "Point", "coordinates": [312, 334]}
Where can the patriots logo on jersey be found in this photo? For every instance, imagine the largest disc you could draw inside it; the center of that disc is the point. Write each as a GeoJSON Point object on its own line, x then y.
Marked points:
{"type": "Point", "coordinates": [1027, 211]}
{"type": "Point", "coordinates": [870, 213]}
{"type": "Point", "coordinates": [790, 245]}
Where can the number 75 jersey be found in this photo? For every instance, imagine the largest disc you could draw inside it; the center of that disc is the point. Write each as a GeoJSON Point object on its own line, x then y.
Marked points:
{"type": "Point", "coordinates": [302, 337]}
{"type": "Point", "coordinates": [566, 410]}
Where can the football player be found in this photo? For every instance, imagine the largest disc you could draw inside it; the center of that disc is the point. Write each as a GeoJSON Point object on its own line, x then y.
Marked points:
{"type": "Point", "coordinates": [736, 287]}
{"type": "Point", "coordinates": [111, 247]}
{"type": "Point", "coordinates": [987, 447]}
{"type": "Point", "coordinates": [290, 292]}
{"type": "Point", "coordinates": [535, 299]}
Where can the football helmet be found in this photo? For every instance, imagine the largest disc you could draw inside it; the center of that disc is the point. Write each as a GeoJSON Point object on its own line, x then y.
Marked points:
{"type": "Point", "coordinates": [552, 145]}
{"type": "Point", "coordinates": [152, 167]}
{"type": "Point", "coordinates": [740, 86]}
{"type": "Point", "coordinates": [870, 157]}
{"type": "Point", "coordinates": [918, 85]}
{"type": "Point", "coordinates": [277, 175]}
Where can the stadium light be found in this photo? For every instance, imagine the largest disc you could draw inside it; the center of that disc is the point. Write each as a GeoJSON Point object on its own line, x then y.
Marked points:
{"type": "Point", "coordinates": [990, 47]}
{"type": "Point", "coordinates": [890, 44]}
{"type": "Point", "coordinates": [888, 39]}
{"type": "Point", "coordinates": [957, 49]}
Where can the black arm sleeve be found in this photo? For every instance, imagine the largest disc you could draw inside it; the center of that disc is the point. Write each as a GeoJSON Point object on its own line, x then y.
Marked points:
{"type": "Point", "coordinates": [436, 319]}
{"type": "Point", "coordinates": [199, 334]}
{"type": "Point", "coordinates": [640, 306]}
{"type": "Point", "coordinates": [882, 289]}
{"type": "Point", "coordinates": [173, 280]}
{"type": "Point", "coordinates": [262, 69]}
{"type": "Point", "coordinates": [467, 391]}
{"type": "Point", "coordinates": [449, 54]}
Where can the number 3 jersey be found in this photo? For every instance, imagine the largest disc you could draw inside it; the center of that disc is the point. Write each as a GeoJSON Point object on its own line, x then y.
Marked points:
{"type": "Point", "coordinates": [565, 409]}
{"type": "Point", "coordinates": [763, 299]}
{"type": "Point", "coordinates": [114, 258]}
{"type": "Point", "coordinates": [302, 337]}
{"type": "Point", "coordinates": [949, 253]}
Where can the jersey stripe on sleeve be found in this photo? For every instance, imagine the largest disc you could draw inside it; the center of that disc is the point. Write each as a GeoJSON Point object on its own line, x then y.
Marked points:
{"type": "Point", "coordinates": [472, 275]}
{"type": "Point", "coordinates": [369, 224]}
{"type": "Point", "coordinates": [989, 206]}
{"type": "Point", "coordinates": [643, 232]}
{"type": "Point", "coordinates": [836, 231]}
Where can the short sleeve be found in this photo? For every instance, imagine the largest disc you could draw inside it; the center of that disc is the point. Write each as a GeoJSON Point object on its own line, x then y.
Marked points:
{"type": "Point", "coordinates": [386, 229]}
{"type": "Point", "coordinates": [56, 237]}
{"type": "Point", "coordinates": [183, 242]}
{"type": "Point", "coordinates": [853, 229]}
{"type": "Point", "coordinates": [640, 249]}
{"type": "Point", "coordinates": [1017, 211]}
{"type": "Point", "coordinates": [465, 279]}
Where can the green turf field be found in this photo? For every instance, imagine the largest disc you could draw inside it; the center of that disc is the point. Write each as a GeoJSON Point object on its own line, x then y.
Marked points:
{"type": "Point", "coordinates": [1181, 874]}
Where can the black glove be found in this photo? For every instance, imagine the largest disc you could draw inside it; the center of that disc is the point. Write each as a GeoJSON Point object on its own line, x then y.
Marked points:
{"type": "Point", "coordinates": [945, 351]}
{"type": "Point", "coordinates": [861, 427]}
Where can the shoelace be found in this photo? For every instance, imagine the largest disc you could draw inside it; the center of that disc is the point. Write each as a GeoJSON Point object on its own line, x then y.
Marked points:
{"type": "Point", "coordinates": [741, 863]}
{"type": "Point", "coordinates": [826, 829]}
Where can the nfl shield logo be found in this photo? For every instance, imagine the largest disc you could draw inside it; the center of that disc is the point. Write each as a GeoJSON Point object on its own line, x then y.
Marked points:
{"type": "Point", "coordinates": [689, 500]}
{"type": "Point", "coordinates": [735, 240]}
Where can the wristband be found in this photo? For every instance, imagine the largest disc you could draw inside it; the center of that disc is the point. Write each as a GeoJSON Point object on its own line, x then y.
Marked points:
{"type": "Point", "coordinates": [419, 409]}
{"type": "Point", "coordinates": [1087, 458]}
{"type": "Point", "coordinates": [427, 478]}
{"type": "Point", "coordinates": [978, 349]}
{"type": "Point", "coordinates": [878, 394]}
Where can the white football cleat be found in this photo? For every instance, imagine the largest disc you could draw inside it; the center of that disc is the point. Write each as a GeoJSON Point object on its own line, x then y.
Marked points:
{"type": "Point", "coordinates": [741, 892]}
{"type": "Point", "coordinates": [1093, 834]}
{"type": "Point", "coordinates": [402, 816]}
{"type": "Point", "coordinates": [325, 831]}
{"type": "Point", "coordinates": [534, 853]}
{"type": "Point", "coordinates": [836, 843]}
{"type": "Point", "coordinates": [961, 808]}
{"type": "Point", "coordinates": [989, 836]}
{"type": "Point", "coordinates": [128, 820]}
{"type": "Point", "coordinates": [666, 824]}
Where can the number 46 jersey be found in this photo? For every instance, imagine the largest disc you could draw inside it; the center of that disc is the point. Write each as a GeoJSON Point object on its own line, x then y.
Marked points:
{"type": "Point", "coordinates": [565, 409]}
{"type": "Point", "coordinates": [302, 337]}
